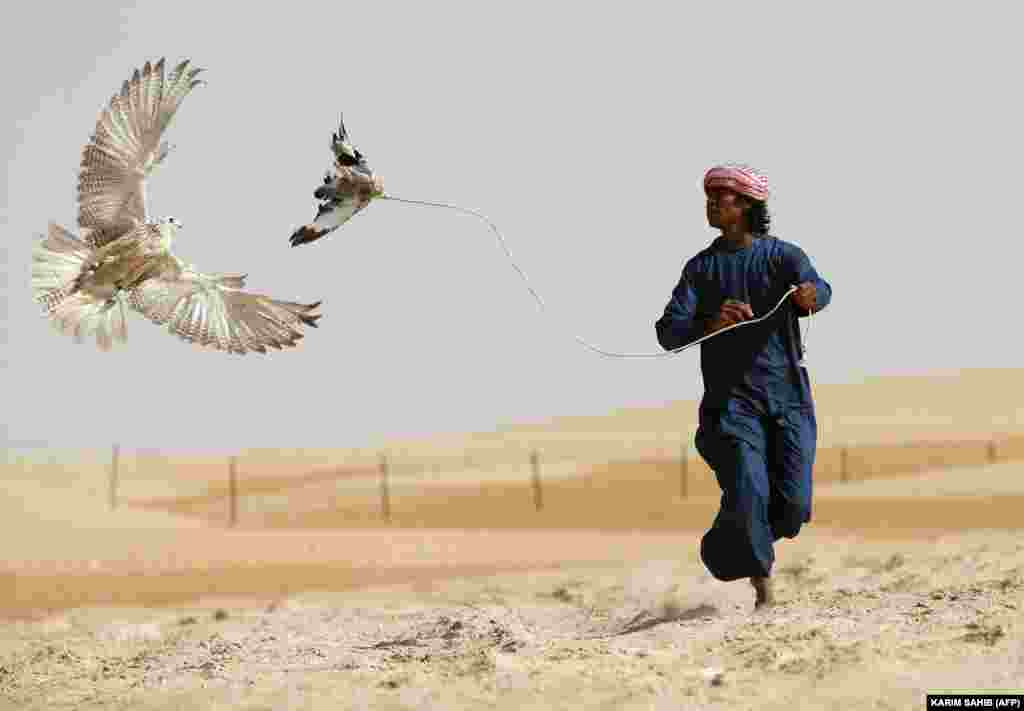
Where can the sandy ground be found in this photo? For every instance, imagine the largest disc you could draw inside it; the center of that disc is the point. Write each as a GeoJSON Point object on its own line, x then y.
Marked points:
{"type": "Point", "coordinates": [860, 626]}
{"type": "Point", "coordinates": [146, 610]}
{"type": "Point", "coordinates": [469, 595]}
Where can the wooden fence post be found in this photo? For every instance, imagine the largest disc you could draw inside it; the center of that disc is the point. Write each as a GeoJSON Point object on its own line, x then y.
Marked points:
{"type": "Point", "coordinates": [115, 464]}
{"type": "Point", "coordinates": [385, 494]}
{"type": "Point", "coordinates": [232, 491]}
{"type": "Point", "coordinates": [538, 499]}
{"type": "Point", "coordinates": [684, 470]}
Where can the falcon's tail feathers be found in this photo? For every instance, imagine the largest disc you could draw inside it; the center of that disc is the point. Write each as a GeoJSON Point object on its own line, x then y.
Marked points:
{"type": "Point", "coordinates": [83, 314]}
{"type": "Point", "coordinates": [57, 262]}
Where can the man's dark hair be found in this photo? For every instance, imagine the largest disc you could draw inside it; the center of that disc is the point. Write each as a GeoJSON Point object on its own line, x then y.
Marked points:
{"type": "Point", "coordinates": [758, 219]}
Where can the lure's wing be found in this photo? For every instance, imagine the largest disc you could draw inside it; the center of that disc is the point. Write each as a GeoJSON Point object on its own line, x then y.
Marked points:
{"type": "Point", "coordinates": [330, 215]}
{"type": "Point", "coordinates": [212, 310]}
{"type": "Point", "coordinates": [346, 155]}
{"type": "Point", "coordinates": [347, 189]}
{"type": "Point", "coordinates": [125, 147]}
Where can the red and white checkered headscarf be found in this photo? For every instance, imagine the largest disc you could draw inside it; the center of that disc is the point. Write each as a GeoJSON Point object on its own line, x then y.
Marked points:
{"type": "Point", "coordinates": [740, 178]}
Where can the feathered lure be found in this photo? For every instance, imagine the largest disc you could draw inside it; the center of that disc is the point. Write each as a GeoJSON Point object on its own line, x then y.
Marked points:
{"type": "Point", "coordinates": [347, 189]}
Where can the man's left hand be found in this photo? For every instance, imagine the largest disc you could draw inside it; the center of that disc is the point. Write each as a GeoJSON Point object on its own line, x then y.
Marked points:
{"type": "Point", "coordinates": [806, 297]}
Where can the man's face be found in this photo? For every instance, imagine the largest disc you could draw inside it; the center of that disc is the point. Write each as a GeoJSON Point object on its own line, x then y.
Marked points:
{"type": "Point", "coordinates": [725, 208]}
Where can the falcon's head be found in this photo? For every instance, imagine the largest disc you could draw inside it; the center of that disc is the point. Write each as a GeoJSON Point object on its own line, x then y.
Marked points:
{"type": "Point", "coordinates": [168, 228]}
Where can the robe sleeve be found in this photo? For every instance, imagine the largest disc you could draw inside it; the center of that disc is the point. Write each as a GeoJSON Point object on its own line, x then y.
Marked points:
{"type": "Point", "coordinates": [798, 269]}
{"type": "Point", "coordinates": [679, 324]}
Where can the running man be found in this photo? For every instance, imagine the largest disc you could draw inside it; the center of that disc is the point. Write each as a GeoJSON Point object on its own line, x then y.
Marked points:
{"type": "Point", "coordinates": [757, 428]}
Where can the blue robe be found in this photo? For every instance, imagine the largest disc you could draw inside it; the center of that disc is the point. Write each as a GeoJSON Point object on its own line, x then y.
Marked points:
{"type": "Point", "coordinates": [757, 430]}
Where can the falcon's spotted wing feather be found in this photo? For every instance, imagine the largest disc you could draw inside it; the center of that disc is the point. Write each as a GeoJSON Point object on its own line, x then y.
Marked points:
{"type": "Point", "coordinates": [125, 147]}
{"type": "Point", "coordinates": [212, 310]}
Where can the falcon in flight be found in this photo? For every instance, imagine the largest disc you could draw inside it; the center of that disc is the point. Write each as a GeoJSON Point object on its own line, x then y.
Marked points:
{"type": "Point", "coordinates": [123, 258]}
{"type": "Point", "coordinates": [347, 188]}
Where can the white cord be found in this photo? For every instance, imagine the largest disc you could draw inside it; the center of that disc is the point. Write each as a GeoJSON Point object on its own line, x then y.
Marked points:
{"type": "Point", "coordinates": [803, 336]}
{"type": "Point", "coordinates": [543, 307]}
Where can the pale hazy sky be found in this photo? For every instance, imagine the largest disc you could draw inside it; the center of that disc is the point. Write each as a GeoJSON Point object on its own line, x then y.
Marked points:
{"type": "Point", "coordinates": [889, 131]}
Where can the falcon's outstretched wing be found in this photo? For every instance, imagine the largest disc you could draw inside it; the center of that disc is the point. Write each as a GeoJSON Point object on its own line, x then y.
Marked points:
{"type": "Point", "coordinates": [212, 310]}
{"type": "Point", "coordinates": [124, 149]}
{"type": "Point", "coordinates": [346, 190]}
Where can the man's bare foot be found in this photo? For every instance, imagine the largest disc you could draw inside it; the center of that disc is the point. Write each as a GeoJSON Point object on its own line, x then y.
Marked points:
{"type": "Point", "coordinates": [765, 593]}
